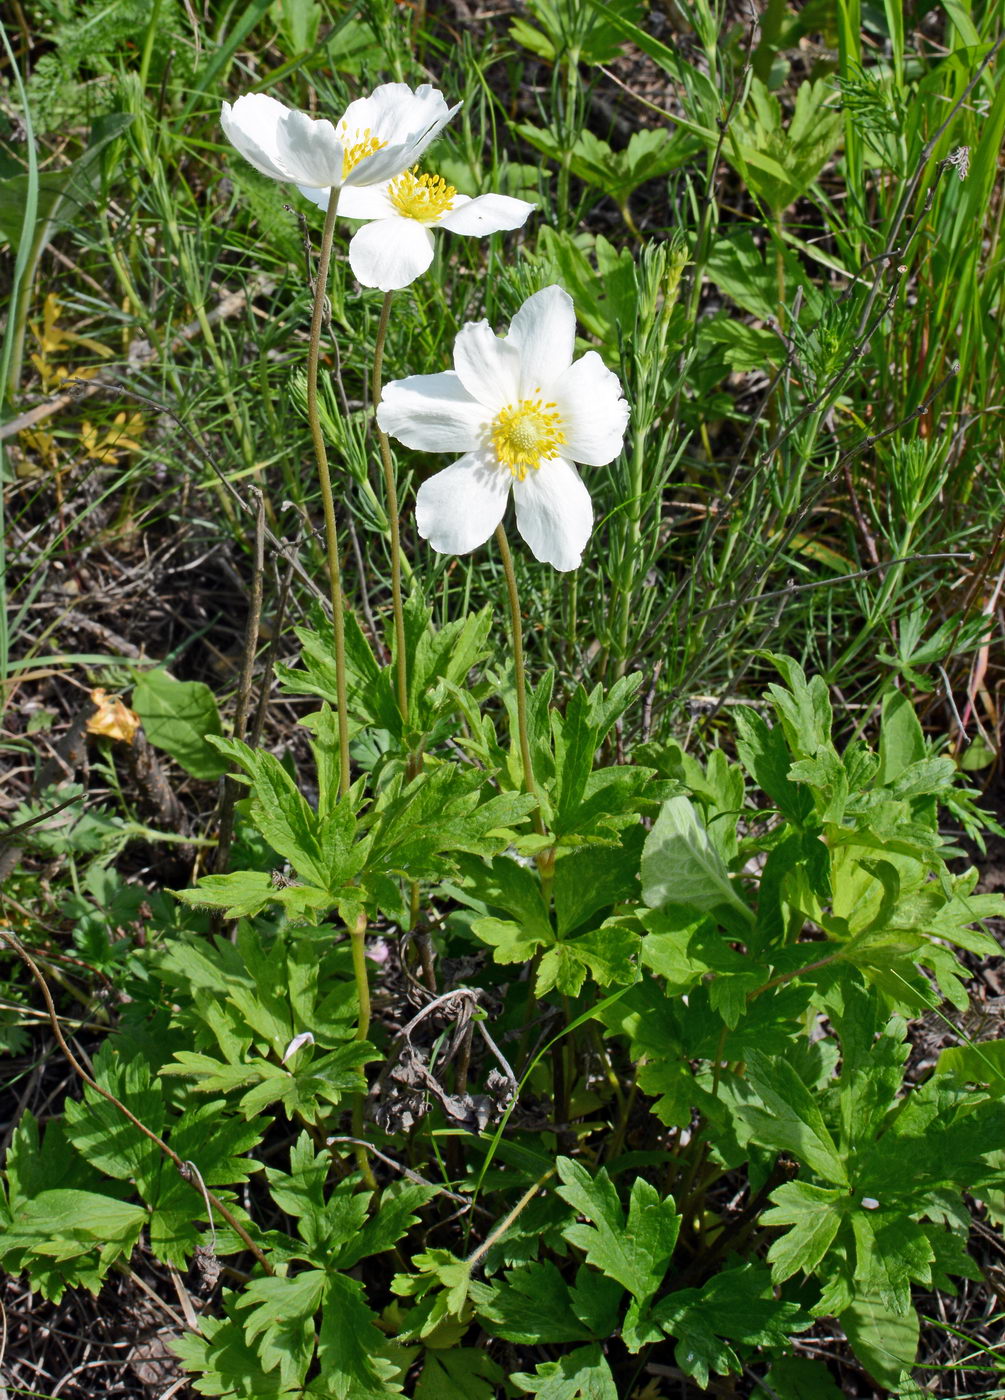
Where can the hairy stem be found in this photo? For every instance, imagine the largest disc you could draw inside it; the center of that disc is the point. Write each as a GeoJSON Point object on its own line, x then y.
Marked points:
{"type": "Point", "coordinates": [391, 491]}
{"type": "Point", "coordinates": [519, 672]}
{"type": "Point", "coordinates": [324, 478]}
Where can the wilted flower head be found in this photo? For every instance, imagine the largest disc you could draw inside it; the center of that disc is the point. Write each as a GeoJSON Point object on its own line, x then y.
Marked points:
{"type": "Point", "coordinates": [396, 244]}
{"type": "Point", "coordinates": [522, 413]}
{"type": "Point", "coordinates": [376, 138]}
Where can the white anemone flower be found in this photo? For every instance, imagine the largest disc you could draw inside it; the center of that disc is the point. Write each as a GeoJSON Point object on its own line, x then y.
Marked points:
{"type": "Point", "coordinates": [396, 244]}
{"type": "Point", "coordinates": [377, 137]}
{"type": "Point", "coordinates": [522, 413]}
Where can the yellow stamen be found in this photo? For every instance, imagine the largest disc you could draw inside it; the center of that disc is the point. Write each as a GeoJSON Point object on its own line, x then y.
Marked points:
{"type": "Point", "coordinates": [357, 148]}
{"type": "Point", "coordinates": [526, 433]}
{"type": "Point", "coordinates": [423, 197]}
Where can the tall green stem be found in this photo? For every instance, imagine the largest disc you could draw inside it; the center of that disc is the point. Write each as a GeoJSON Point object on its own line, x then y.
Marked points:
{"type": "Point", "coordinates": [519, 672]}
{"type": "Point", "coordinates": [392, 514]}
{"type": "Point", "coordinates": [327, 501]}
{"type": "Point", "coordinates": [631, 534]}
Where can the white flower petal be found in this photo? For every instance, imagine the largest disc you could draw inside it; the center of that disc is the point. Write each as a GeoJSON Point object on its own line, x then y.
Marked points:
{"type": "Point", "coordinates": [487, 213]}
{"type": "Point", "coordinates": [544, 333]}
{"type": "Point", "coordinates": [355, 201]}
{"type": "Point", "coordinates": [390, 253]}
{"type": "Point", "coordinates": [457, 509]}
{"type": "Point", "coordinates": [310, 151]}
{"type": "Point", "coordinates": [488, 365]}
{"type": "Point", "coordinates": [253, 126]}
{"type": "Point", "coordinates": [366, 202]}
{"type": "Point", "coordinates": [594, 415]}
{"type": "Point", "coordinates": [405, 121]}
{"type": "Point", "coordinates": [554, 513]}
{"type": "Point", "coordinates": [431, 412]}
{"type": "Point", "coordinates": [316, 196]}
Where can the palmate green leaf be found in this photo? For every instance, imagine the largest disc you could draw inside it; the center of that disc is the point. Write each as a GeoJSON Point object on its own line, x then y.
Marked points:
{"type": "Point", "coordinates": [212, 1073]}
{"type": "Point", "coordinates": [240, 894]}
{"type": "Point", "coordinates": [582, 794]}
{"type": "Point", "coordinates": [439, 655]}
{"type": "Point", "coordinates": [42, 1162]}
{"type": "Point", "coordinates": [804, 708]}
{"type": "Point", "coordinates": [371, 686]}
{"type": "Point", "coordinates": [743, 347]}
{"type": "Point", "coordinates": [581, 1375]}
{"type": "Point", "coordinates": [891, 1252]}
{"type": "Point", "coordinates": [280, 812]}
{"type": "Point", "coordinates": [223, 1362]}
{"type": "Point", "coordinates": [596, 878]}
{"type": "Point", "coordinates": [798, 1378]}
{"type": "Point", "coordinates": [780, 164]}
{"type": "Point", "coordinates": [399, 1203]}
{"type": "Point", "coordinates": [417, 828]}
{"type": "Point", "coordinates": [278, 1316]}
{"type": "Point", "coordinates": [458, 1373]}
{"type": "Point", "coordinates": [735, 1306]}
{"type": "Point", "coordinates": [513, 943]}
{"type": "Point", "coordinates": [765, 755]}
{"type": "Point", "coordinates": [217, 1143]}
{"type": "Point", "coordinates": [873, 1055]}
{"type": "Point", "coordinates": [613, 798]}
{"type": "Point", "coordinates": [102, 1133]}
{"type": "Point", "coordinates": [69, 1238]}
{"type": "Point", "coordinates": [815, 1214]}
{"type": "Point", "coordinates": [940, 1138]}
{"type": "Point", "coordinates": [635, 1252]}
{"type": "Point", "coordinates": [443, 1283]}
{"type": "Point", "coordinates": [594, 38]}
{"type": "Point", "coordinates": [742, 270]}
{"type": "Point", "coordinates": [304, 1090]}
{"type": "Point", "coordinates": [606, 954]}
{"type": "Point", "coordinates": [349, 1344]}
{"type": "Point", "coordinates": [885, 1341]}
{"type": "Point", "coordinates": [534, 1305]}
{"type": "Point", "coordinates": [791, 1120]}
{"type": "Point", "coordinates": [301, 1089]}
{"type": "Point", "coordinates": [699, 1351]}
{"type": "Point", "coordinates": [979, 1063]}
{"type": "Point", "coordinates": [508, 884]}
{"type": "Point", "coordinates": [333, 1221]}
{"type": "Point", "coordinates": [680, 865]}
{"type": "Point", "coordinates": [648, 155]}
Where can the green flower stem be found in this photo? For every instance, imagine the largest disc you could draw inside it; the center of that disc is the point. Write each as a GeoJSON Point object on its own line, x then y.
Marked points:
{"type": "Point", "coordinates": [392, 513]}
{"type": "Point", "coordinates": [632, 545]}
{"type": "Point", "coordinates": [414, 761]}
{"type": "Point", "coordinates": [357, 940]}
{"type": "Point", "coordinates": [358, 936]}
{"type": "Point", "coordinates": [327, 501]}
{"type": "Point", "coordinates": [519, 673]}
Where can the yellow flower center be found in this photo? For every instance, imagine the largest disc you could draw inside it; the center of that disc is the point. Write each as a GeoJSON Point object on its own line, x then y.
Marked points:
{"type": "Point", "coordinates": [525, 433]}
{"type": "Point", "coordinates": [423, 197]}
{"type": "Point", "coordinates": [357, 147]}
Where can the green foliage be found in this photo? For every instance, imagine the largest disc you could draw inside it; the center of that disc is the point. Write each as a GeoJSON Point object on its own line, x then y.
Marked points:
{"type": "Point", "coordinates": [780, 163]}
{"type": "Point", "coordinates": [180, 717]}
{"type": "Point", "coordinates": [607, 1061]}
